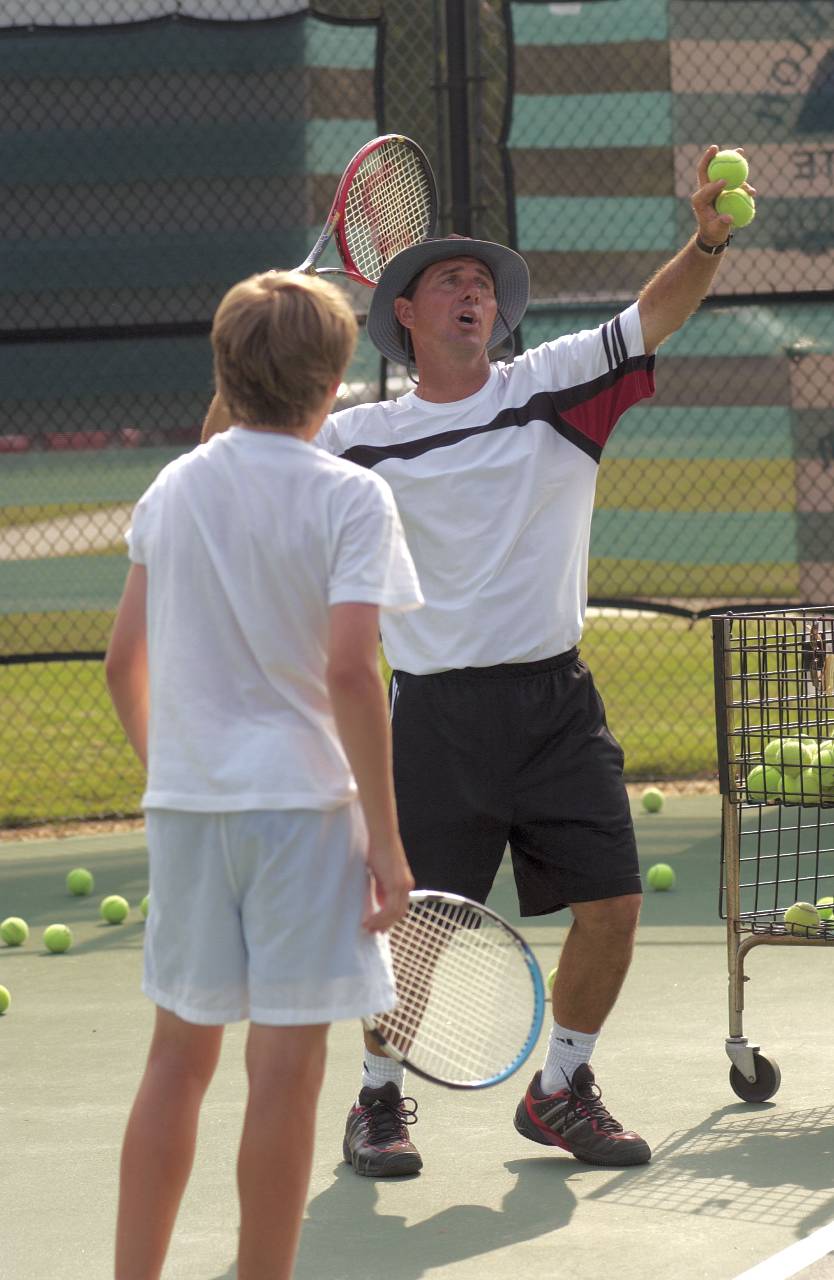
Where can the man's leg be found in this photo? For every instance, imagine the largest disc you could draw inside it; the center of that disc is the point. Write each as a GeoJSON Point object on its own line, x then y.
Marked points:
{"type": "Point", "coordinates": [159, 1142]}
{"type": "Point", "coordinates": [594, 961]}
{"type": "Point", "coordinates": [454, 817]}
{"type": "Point", "coordinates": [563, 1106]}
{"type": "Point", "coordinates": [285, 1066]}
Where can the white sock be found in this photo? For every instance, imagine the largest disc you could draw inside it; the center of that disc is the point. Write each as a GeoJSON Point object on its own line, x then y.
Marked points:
{"type": "Point", "coordinates": [566, 1050]}
{"type": "Point", "coordinates": [377, 1071]}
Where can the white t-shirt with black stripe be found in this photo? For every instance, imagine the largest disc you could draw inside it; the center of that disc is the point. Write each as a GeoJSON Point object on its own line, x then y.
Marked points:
{"type": "Point", "coordinates": [496, 494]}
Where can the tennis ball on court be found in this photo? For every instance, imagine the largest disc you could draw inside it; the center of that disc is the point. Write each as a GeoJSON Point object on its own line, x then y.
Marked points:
{"type": "Point", "coordinates": [790, 753]}
{"type": "Point", "coordinates": [551, 978]}
{"type": "Point", "coordinates": [825, 908]}
{"type": "Point", "coordinates": [730, 166]}
{"type": "Point", "coordinates": [114, 909]}
{"type": "Point", "coordinates": [661, 877]}
{"type": "Point", "coordinates": [145, 905]}
{"type": "Point", "coordinates": [652, 800]}
{"type": "Point", "coordinates": [801, 917]}
{"type": "Point", "coordinates": [738, 204]}
{"type": "Point", "coordinates": [57, 937]}
{"type": "Point", "coordinates": [80, 882]}
{"type": "Point", "coordinates": [5, 999]}
{"type": "Point", "coordinates": [764, 784]}
{"type": "Point", "coordinates": [14, 931]}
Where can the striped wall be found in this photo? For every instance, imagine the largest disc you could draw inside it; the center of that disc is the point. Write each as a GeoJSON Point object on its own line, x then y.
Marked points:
{"type": "Point", "coordinates": [615, 102]}
{"type": "Point", "coordinates": [149, 167]}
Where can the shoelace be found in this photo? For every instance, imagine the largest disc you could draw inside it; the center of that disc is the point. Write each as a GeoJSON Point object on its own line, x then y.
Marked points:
{"type": "Point", "coordinates": [386, 1121]}
{"type": "Point", "coordinates": [589, 1103]}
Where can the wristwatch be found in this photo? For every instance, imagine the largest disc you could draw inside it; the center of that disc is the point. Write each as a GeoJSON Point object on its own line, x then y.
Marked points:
{"type": "Point", "coordinates": [712, 249]}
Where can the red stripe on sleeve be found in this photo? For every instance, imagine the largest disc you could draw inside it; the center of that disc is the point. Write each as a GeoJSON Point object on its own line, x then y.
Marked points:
{"type": "Point", "coordinates": [597, 416]}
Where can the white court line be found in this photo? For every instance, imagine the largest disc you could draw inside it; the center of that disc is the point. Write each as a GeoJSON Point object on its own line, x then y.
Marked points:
{"type": "Point", "coordinates": [795, 1258]}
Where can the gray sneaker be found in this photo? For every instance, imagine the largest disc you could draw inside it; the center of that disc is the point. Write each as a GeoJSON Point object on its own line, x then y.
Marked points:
{"type": "Point", "coordinates": [376, 1134]}
{"type": "Point", "coordinates": [576, 1120]}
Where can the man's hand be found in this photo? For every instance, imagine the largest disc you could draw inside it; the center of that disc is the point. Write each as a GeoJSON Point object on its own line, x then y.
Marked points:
{"type": "Point", "coordinates": [713, 227]}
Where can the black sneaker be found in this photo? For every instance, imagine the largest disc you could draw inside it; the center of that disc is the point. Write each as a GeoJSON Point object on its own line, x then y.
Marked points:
{"type": "Point", "coordinates": [376, 1134]}
{"type": "Point", "coordinates": [576, 1120]}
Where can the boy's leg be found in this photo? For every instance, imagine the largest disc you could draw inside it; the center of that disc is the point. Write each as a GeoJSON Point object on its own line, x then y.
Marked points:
{"type": "Point", "coordinates": [285, 1066]}
{"type": "Point", "coordinates": [159, 1142]}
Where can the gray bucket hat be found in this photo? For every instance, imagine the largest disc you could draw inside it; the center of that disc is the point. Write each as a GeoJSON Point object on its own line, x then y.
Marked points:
{"type": "Point", "coordinates": [509, 271]}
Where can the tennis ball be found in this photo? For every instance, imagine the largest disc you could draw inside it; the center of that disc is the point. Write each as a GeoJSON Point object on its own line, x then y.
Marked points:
{"type": "Point", "coordinates": [795, 786]}
{"type": "Point", "coordinates": [652, 800]}
{"type": "Point", "coordinates": [661, 877]}
{"type": "Point", "coordinates": [738, 204]}
{"type": "Point", "coordinates": [114, 909]}
{"type": "Point", "coordinates": [801, 917]}
{"type": "Point", "coordinates": [14, 931]}
{"type": "Point", "coordinates": [825, 908]}
{"type": "Point", "coordinates": [790, 753]}
{"type": "Point", "coordinates": [825, 760]}
{"type": "Point", "coordinates": [551, 978]}
{"type": "Point", "coordinates": [80, 882]}
{"type": "Point", "coordinates": [145, 905]}
{"type": "Point", "coordinates": [764, 783]}
{"type": "Point", "coordinates": [730, 166]}
{"type": "Point", "coordinates": [5, 999]}
{"type": "Point", "coordinates": [57, 937]}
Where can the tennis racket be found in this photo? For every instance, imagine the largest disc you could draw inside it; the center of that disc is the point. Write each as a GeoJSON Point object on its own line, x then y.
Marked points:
{"type": "Point", "coordinates": [470, 996]}
{"type": "Point", "coordinates": [386, 201]}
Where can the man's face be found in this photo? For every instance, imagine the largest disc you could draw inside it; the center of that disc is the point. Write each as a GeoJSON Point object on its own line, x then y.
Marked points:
{"type": "Point", "coordinates": [454, 303]}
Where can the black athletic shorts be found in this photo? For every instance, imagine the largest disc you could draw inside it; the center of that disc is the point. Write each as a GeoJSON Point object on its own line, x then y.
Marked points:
{"type": "Point", "coordinates": [517, 754]}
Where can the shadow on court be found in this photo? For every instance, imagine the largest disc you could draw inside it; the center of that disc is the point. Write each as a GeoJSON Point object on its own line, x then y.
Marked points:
{"type": "Point", "coordinates": [538, 1203]}
{"type": "Point", "coordinates": [745, 1163]}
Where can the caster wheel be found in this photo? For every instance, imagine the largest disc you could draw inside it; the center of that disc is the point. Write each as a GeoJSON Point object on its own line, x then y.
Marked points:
{"type": "Point", "coordinates": [768, 1079]}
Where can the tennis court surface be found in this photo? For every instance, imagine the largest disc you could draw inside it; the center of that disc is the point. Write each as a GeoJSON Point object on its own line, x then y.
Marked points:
{"type": "Point", "coordinates": [732, 1186]}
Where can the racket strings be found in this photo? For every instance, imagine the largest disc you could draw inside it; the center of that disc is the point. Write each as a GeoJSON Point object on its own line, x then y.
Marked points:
{"type": "Point", "coordinates": [466, 1003]}
{"type": "Point", "coordinates": [388, 207]}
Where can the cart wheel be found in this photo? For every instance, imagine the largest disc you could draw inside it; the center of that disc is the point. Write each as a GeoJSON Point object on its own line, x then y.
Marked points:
{"type": "Point", "coordinates": [768, 1079]}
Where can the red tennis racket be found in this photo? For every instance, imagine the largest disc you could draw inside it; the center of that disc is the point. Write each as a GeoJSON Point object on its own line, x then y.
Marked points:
{"type": "Point", "coordinates": [386, 201]}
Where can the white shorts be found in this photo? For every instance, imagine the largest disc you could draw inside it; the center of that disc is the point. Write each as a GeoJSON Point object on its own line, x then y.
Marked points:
{"type": "Point", "coordinates": [258, 915]}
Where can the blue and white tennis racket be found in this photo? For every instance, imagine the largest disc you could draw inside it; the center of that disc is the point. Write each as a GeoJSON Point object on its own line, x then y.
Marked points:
{"type": "Point", "coordinates": [470, 996]}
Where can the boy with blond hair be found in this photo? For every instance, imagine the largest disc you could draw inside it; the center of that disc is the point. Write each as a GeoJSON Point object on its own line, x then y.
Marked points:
{"type": "Point", "coordinates": [243, 667]}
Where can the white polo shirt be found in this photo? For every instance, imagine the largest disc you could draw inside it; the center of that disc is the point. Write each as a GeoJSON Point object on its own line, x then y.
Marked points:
{"type": "Point", "coordinates": [248, 541]}
{"type": "Point", "coordinates": [496, 494]}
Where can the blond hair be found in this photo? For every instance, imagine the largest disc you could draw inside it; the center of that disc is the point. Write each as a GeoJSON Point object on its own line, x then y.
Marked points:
{"type": "Point", "coordinates": [281, 342]}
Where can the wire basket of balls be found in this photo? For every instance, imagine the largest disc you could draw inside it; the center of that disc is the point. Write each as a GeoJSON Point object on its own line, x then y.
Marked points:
{"type": "Point", "coordinates": [774, 713]}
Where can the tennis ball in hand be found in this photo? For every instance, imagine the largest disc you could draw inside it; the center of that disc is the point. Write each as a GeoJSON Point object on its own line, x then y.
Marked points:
{"type": "Point", "coordinates": [551, 978]}
{"type": "Point", "coordinates": [114, 909]}
{"type": "Point", "coordinates": [652, 800]}
{"type": "Point", "coordinates": [661, 877]}
{"type": "Point", "coordinates": [80, 882]}
{"type": "Point", "coordinates": [5, 999]}
{"type": "Point", "coordinates": [825, 908]}
{"type": "Point", "coordinates": [764, 784]}
{"type": "Point", "coordinates": [14, 931]}
{"type": "Point", "coordinates": [57, 937]}
{"type": "Point", "coordinates": [738, 204]}
{"type": "Point", "coordinates": [730, 166]}
{"type": "Point", "coordinates": [801, 917]}
{"type": "Point", "coordinates": [145, 905]}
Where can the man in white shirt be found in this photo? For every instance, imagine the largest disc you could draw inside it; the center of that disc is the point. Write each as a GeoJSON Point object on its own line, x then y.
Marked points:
{"type": "Point", "coordinates": [499, 734]}
{"type": "Point", "coordinates": [243, 665]}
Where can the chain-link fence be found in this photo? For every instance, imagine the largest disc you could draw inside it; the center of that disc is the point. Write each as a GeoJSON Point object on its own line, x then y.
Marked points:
{"type": "Point", "coordinates": [156, 151]}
